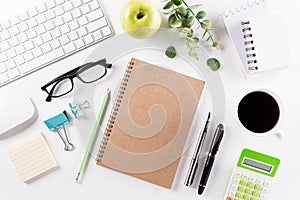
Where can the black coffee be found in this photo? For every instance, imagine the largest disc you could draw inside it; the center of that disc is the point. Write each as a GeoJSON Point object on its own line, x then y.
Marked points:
{"type": "Point", "coordinates": [258, 112]}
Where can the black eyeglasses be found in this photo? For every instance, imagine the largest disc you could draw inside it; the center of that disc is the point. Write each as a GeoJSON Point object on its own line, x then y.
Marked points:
{"type": "Point", "coordinates": [87, 73]}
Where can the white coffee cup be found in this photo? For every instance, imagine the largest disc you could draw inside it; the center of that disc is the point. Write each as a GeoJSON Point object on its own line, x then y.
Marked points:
{"type": "Point", "coordinates": [260, 112]}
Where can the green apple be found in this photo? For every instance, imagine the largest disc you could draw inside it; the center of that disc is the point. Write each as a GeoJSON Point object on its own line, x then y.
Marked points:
{"type": "Point", "coordinates": [140, 18]}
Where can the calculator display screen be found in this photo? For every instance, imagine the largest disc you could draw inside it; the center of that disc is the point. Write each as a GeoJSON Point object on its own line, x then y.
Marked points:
{"type": "Point", "coordinates": [258, 165]}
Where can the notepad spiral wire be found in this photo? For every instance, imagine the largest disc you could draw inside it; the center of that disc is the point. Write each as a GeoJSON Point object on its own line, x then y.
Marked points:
{"type": "Point", "coordinates": [114, 112]}
{"type": "Point", "coordinates": [249, 43]}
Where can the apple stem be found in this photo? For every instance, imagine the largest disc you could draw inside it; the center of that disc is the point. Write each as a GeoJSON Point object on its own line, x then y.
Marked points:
{"type": "Point", "coordinates": [140, 15]}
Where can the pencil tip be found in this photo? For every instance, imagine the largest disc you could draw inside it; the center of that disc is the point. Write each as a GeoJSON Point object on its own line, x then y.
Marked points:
{"type": "Point", "coordinates": [77, 178]}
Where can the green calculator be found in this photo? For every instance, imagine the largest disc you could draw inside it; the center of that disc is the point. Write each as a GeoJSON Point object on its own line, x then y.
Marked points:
{"type": "Point", "coordinates": [252, 177]}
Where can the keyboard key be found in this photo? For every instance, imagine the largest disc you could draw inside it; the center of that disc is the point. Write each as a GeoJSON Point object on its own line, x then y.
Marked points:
{"type": "Point", "coordinates": [59, 11]}
{"type": "Point", "coordinates": [10, 64]}
{"type": "Point", "coordinates": [49, 25]}
{"type": "Point", "coordinates": [3, 57]}
{"type": "Point", "coordinates": [86, 1]}
{"type": "Point", "coordinates": [97, 35]}
{"type": "Point", "coordinates": [46, 48]}
{"type": "Point", "coordinates": [82, 21]}
{"type": "Point", "coordinates": [23, 27]}
{"type": "Point", "coordinates": [94, 15]}
{"type": "Point", "coordinates": [88, 39]}
{"type": "Point", "coordinates": [29, 66]}
{"type": "Point", "coordinates": [64, 29]}
{"type": "Point", "coordinates": [67, 17]}
{"type": "Point", "coordinates": [2, 68]}
{"type": "Point", "coordinates": [73, 36]}
{"type": "Point", "coordinates": [38, 41]}
{"type": "Point", "coordinates": [73, 25]}
{"type": "Point", "coordinates": [20, 49]}
{"type": "Point", "coordinates": [76, 13]}
{"type": "Point", "coordinates": [85, 9]}
{"type": "Point", "coordinates": [77, 3]}
{"type": "Point", "coordinates": [50, 4]}
{"type": "Point", "coordinates": [41, 8]}
{"type": "Point", "coordinates": [4, 78]}
{"type": "Point", "coordinates": [31, 33]}
{"type": "Point", "coordinates": [28, 45]}
{"type": "Point", "coordinates": [4, 45]}
{"type": "Point", "coordinates": [69, 48]}
{"type": "Point", "coordinates": [32, 12]}
{"type": "Point", "coordinates": [55, 33]}
{"type": "Point", "coordinates": [94, 5]}
{"type": "Point", "coordinates": [55, 44]}
{"type": "Point", "coordinates": [68, 6]}
{"type": "Point", "coordinates": [5, 35]}
{"type": "Point", "coordinates": [15, 20]}
{"type": "Point", "coordinates": [11, 53]}
{"type": "Point", "coordinates": [79, 43]}
{"type": "Point", "coordinates": [32, 23]}
{"type": "Point", "coordinates": [41, 29]}
{"type": "Point", "coordinates": [46, 37]}
{"type": "Point", "coordinates": [14, 73]}
{"type": "Point", "coordinates": [59, 2]}
{"type": "Point", "coordinates": [58, 22]}
{"type": "Point", "coordinates": [24, 16]}
{"type": "Point", "coordinates": [64, 40]}
{"type": "Point", "coordinates": [28, 56]}
{"type": "Point", "coordinates": [41, 19]}
{"type": "Point", "coordinates": [37, 52]}
{"type": "Point", "coordinates": [49, 15]}
{"type": "Point", "coordinates": [19, 60]}
{"type": "Point", "coordinates": [243, 182]}
{"type": "Point", "coordinates": [106, 31]}
{"type": "Point", "coordinates": [96, 25]}
{"type": "Point", "coordinates": [14, 31]}
{"type": "Point", "coordinates": [6, 24]}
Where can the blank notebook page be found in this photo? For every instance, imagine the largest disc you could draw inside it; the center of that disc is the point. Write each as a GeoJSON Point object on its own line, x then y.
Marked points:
{"type": "Point", "coordinates": [269, 41]}
{"type": "Point", "coordinates": [31, 157]}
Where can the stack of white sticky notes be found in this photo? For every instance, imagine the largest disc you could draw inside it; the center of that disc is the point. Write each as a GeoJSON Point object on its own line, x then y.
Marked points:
{"type": "Point", "coordinates": [31, 158]}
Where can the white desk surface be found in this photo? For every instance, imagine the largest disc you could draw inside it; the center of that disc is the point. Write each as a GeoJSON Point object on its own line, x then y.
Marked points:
{"type": "Point", "coordinates": [111, 185]}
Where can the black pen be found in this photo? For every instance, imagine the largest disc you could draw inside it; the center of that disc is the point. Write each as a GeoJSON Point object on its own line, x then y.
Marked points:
{"type": "Point", "coordinates": [211, 157]}
{"type": "Point", "coordinates": [194, 162]}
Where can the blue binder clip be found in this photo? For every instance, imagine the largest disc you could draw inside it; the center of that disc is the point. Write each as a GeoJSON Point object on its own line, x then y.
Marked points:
{"type": "Point", "coordinates": [77, 108]}
{"type": "Point", "coordinates": [56, 124]}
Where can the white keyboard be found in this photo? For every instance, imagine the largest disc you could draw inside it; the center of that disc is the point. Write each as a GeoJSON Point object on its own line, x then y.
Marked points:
{"type": "Point", "coordinates": [47, 33]}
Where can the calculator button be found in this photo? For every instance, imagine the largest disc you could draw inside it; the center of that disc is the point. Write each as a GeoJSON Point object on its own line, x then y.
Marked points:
{"type": "Point", "coordinates": [241, 188]}
{"type": "Point", "coordinates": [267, 183]}
{"type": "Point", "coordinates": [232, 193]}
{"type": "Point", "coordinates": [239, 195]}
{"type": "Point", "coordinates": [248, 191]}
{"type": "Point", "coordinates": [238, 175]}
{"type": "Point", "coordinates": [265, 190]}
{"type": "Point", "coordinates": [263, 197]}
{"type": "Point", "coordinates": [253, 179]}
{"type": "Point", "coordinates": [250, 185]}
{"type": "Point", "coordinates": [257, 187]}
{"type": "Point", "coordinates": [255, 193]}
{"type": "Point", "coordinates": [245, 176]}
{"type": "Point", "coordinates": [243, 182]}
{"type": "Point", "coordinates": [246, 197]}
{"type": "Point", "coordinates": [253, 198]}
{"type": "Point", "coordinates": [260, 181]}
{"type": "Point", "coordinates": [234, 187]}
{"type": "Point", "coordinates": [236, 180]}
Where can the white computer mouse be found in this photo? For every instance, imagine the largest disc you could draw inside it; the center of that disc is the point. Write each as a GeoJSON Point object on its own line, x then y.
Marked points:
{"type": "Point", "coordinates": [17, 112]}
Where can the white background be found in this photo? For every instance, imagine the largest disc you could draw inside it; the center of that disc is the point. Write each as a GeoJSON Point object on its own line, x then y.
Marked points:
{"type": "Point", "coordinates": [105, 184]}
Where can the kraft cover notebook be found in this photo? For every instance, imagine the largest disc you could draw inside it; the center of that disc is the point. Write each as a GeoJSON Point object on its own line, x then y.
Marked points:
{"type": "Point", "coordinates": [259, 37]}
{"type": "Point", "coordinates": [150, 123]}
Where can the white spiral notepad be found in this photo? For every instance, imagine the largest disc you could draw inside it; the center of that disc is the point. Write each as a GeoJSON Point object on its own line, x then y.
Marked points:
{"type": "Point", "coordinates": [31, 158]}
{"type": "Point", "coordinates": [258, 36]}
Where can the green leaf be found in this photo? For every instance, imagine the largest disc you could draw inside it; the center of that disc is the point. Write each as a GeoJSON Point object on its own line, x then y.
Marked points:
{"type": "Point", "coordinates": [205, 32]}
{"type": "Point", "coordinates": [195, 6]}
{"type": "Point", "coordinates": [188, 22]}
{"type": "Point", "coordinates": [176, 24]}
{"type": "Point", "coordinates": [209, 38]}
{"type": "Point", "coordinates": [214, 44]}
{"type": "Point", "coordinates": [196, 40]}
{"type": "Point", "coordinates": [201, 14]}
{"type": "Point", "coordinates": [213, 63]}
{"type": "Point", "coordinates": [206, 24]}
{"type": "Point", "coordinates": [171, 19]}
{"type": "Point", "coordinates": [170, 52]}
{"type": "Point", "coordinates": [187, 31]}
{"type": "Point", "coordinates": [177, 2]}
{"type": "Point", "coordinates": [168, 5]}
{"type": "Point", "coordinates": [181, 11]}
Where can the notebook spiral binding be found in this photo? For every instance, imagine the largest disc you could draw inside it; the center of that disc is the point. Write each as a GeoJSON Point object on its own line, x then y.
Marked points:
{"type": "Point", "coordinates": [114, 112]}
{"type": "Point", "coordinates": [250, 49]}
